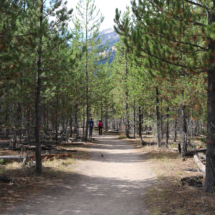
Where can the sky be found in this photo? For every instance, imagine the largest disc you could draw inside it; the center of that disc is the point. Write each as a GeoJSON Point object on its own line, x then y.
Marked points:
{"type": "Point", "coordinates": [107, 8]}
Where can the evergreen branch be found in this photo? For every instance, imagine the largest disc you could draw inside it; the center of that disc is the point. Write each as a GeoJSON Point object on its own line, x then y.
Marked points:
{"type": "Point", "coordinates": [24, 35]}
{"type": "Point", "coordinates": [177, 18]}
{"type": "Point", "coordinates": [162, 59]}
{"type": "Point", "coordinates": [185, 43]}
{"type": "Point", "coordinates": [194, 3]}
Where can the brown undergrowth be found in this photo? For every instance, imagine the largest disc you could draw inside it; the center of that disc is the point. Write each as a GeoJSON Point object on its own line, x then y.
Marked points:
{"type": "Point", "coordinates": [26, 182]}
{"type": "Point", "coordinates": [167, 196]}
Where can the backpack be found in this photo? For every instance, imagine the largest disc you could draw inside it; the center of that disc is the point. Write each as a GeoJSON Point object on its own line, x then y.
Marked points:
{"type": "Point", "coordinates": [100, 124]}
{"type": "Point", "coordinates": [91, 123]}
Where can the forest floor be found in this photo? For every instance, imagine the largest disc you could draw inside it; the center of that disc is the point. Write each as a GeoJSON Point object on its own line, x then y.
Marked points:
{"type": "Point", "coordinates": [26, 182]}
{"type": "Point", "coordinates": [112, 175]}
{"type": "Point", "coordinates": [167, 195]}
{"type": "Point", "coordinates": [111, 181]}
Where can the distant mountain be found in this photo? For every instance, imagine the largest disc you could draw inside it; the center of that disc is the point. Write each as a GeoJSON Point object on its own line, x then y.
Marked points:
{"type": "Point", "coordinates": [112, 36]}
{"type": "Point", "coordinates": [109, 34]}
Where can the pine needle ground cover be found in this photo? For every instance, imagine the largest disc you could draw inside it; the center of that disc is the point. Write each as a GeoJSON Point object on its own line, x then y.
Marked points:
{"type": "Point", "coordinates": [26, 182]}
{"type": "Point", "coordinates": [167, 196]}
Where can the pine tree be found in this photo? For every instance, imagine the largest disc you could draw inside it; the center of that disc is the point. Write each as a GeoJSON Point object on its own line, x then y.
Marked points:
{"type": "Point", "coordinates": [88, 21]}
{"type": "Point", "coordinates": [47, 37]}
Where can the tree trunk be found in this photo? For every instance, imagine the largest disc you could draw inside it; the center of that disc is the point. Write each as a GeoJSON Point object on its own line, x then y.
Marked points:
{"type": "Point", "coordinates": [140, 122]}
{"type": "Point", "coordinates": [56, 122]}
{"type": "Point", "coordinates": [167, 127]}
{"type": "Point", "coordinates": [161, 121]}
{"type": "Point", "coordinates": [175, 130]}
{"type": "Point", "coordinates": [210, 159]}
{"type": "Point", "coordinates": [7, 118]}
{"type": "Point", "coordinates": [134, 118]}
{"type": "Point", "coordinates": [70, 125]}
{"type": "Point", "coordinates": [76, 120]}
{"type": "Point", "coordinates": [83, 122]}
{"type": "Point", "coordinates": [19, 120]}
{"type": "Point", "coordinates": [184, 129]}
{"type": "Point", "coordinates": [37, 101]}
{"type": "Point", "coordinates": [14, 138]}
{"type": "Point", "coordinates": [158, 118]}
{"type": "Point", "coordinates": [113, 120]}
{"type": "Point", "coordinates": [126, 96]}
{"type": "Point", "coordinates": [106, 121]}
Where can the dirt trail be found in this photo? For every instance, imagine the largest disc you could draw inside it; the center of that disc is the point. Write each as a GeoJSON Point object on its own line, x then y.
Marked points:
{"type": "Point", "coordinates": [110, 185]}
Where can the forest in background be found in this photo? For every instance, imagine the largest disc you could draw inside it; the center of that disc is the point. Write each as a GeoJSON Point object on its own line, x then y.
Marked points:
{"type": "Point", "coordinates": [160, 81]}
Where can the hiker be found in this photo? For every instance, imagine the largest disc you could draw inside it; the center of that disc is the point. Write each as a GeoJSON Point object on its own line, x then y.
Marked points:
{"type": "Point", "coordinates": [91, 127]}
{"type": "Point", "coordinates": [100, 126]}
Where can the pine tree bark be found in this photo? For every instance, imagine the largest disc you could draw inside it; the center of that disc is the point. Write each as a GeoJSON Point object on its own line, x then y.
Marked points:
{"type": "Point", "coordinates": [76, 121]}
{"type": "Point", "coordinates": [175, 130]}
{"type": "Point", "coordinates": [37, 102]}
{"type": "Point", "coordinates": [113, 119]}
{"type": "Point", "coordinates": [184, 129]}
{"type": "Point", "coordinates": [210, 158]}
{"type": "Point", "coordinates": [140, 122]}
{"type": "Point", "coordinates": [167, 127]}
{"type": "Point", "coordinates": [7, 118]}
{"type": "Point", "coordinates": [158, 118]}
{"type": "Point", "coordinates": [106, 120]}
{"type": "Point", "coordinates": [126, 96]}
{"type": "Point", "coordinates": [83, 123]}
{"type": "Point", "coordinates": [71, 125]}
{"type": "Point", "coordinates": [161, 120]}
{"type": "Point", "coordinates": [134, 118]}
{"type": "Point", "coordinates": [56, 120]}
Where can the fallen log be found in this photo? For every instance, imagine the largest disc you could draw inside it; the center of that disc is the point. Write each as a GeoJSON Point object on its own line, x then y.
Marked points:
{"type": "Point", "coordinates": [6, 179]}
{"type": "Point", "coordinates": [42, 142]}
{"type": "Point", "coordinates": [33, 148]}
{"type": "Point", "coordinates": [193, 152]}
{"type": "Point", "coordinates": [188, 153]}
{"type": "Point", "coordinates": [12, 158]}
{"type": "Point", "coordinates": [65, 150]}
{"type": "Point", "coordinates": [3, 144]}
{"type": "Point", "coordinates": [199, 164]}
{"type": "Point", "coordinates": [191, 170]}
{"type": "Point", "coordinates": [113, 132]}
{"type": "Point", "coordinates": [147, 133]}
{"type": "Point", "coordinates": [202, 135]}
{"type": "Point", "coordinates": [201, 155]}
{"type": "Point", "coordinates": [52, 156]}
{"type": "Point", "coordinates": [72, 144]}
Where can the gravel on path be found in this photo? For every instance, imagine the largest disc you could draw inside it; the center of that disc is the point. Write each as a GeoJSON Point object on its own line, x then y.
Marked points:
{"type": "Point", "coordinates": [112, 182]}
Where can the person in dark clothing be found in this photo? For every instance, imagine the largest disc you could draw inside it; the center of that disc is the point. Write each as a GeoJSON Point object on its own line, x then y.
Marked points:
{"type": "Point", "coordinates": [91, 127]}
{"type": "Point", "coordinates": [100, 126]}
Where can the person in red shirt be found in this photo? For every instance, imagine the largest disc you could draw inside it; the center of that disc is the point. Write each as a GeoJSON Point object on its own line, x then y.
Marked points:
{"type": "Point", "coordinates": [100, 126]}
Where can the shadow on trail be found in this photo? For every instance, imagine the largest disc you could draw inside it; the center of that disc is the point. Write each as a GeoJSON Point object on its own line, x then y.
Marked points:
{"type": "Point", "coordinates": [80, 194]}
{"type": "Point", "coordinates": [109, 149]}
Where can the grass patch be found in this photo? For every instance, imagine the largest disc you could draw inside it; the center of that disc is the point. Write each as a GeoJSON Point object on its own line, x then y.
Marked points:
{"type": "Point", "coordinates": [156, 211]}
{"type": "Point", "coordinates": [180, 212]}
{"type": "Point", "coordinates": [122, 136]}
{"type": "Point", "coordinates": [2, 169]}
